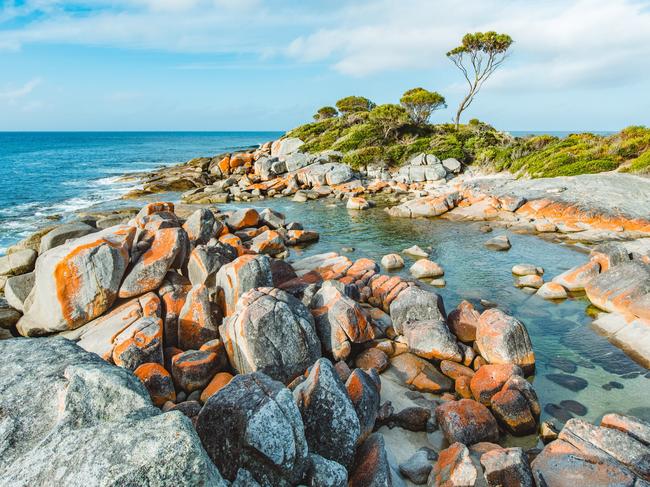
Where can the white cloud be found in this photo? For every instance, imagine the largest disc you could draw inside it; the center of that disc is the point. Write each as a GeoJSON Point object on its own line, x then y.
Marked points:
{"type": "Point", "coordinates": [13, 94]}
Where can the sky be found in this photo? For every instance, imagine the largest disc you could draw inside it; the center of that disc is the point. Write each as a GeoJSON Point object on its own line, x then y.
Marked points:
{"type": "Point", "coordinates": [269, 64]}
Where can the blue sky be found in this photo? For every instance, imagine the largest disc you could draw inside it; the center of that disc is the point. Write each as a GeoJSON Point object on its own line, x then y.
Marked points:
{"type": "Point", "coordinates": [267, 65]}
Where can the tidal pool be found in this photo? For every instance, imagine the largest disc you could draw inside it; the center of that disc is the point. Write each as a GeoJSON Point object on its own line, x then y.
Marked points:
{"type": "Point", "coordinates": [568, 351]}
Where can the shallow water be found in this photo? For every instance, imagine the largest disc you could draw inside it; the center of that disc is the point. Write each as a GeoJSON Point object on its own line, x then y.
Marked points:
{"type": "Point", "coordinates": [560, 331]}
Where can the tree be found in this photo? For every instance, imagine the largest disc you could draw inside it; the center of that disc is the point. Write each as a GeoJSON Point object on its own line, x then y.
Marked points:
{"type": "Point", "coordinates": [325, 112]}
{"type": "Point", "coordinates": [479, 55]}
{"type": "Point", "coordinates": [421, 103]}
{"type": "Point", "coordinates": [388, 117]}
{"type": "Point", "coordinates": [353, 104]}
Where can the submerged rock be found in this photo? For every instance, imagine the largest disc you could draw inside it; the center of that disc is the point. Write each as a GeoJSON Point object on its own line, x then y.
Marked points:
{"type": "Point", "coordinates": [74, 419]}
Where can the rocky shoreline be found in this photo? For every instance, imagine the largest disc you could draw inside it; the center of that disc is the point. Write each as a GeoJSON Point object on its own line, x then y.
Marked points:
{"type": "Point", "coordinates": [206, 343]}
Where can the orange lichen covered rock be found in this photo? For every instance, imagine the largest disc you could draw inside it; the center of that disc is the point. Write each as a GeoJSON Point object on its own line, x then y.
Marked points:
{"type": "Point", "coordinates": [149, 269]}
{"type": "Point", "coordinates": [503, 339]}
{"type": "Point", "coordinates": [466, 421]}
{"type": "Point", "coordinates": [158, 382]}
{"type": "Point", "coordinates": [463, 321]}
{"type": "Point", "coordinates": [237, 277]}
{"type": "Point", "coordinates": [244, 218]}
{"type": "Point", "coordinates": [218, 382]}
{"type": "Point", "coordinates": [490, 378]}
{"type": "Point", "coordinates": [194, 369]}
{"type": "Point", "coordinates": [372, 358]}
{"type": "Point", "coordinates": [340, 321]}
{"type": "Point", "coordinates": [199, 319]}
{"type": "Point", "coordinates": [77, 281]}
{"type": "Point", "coordinates": [454, 468]}
{"type": "Point", "coordinates": [173, 293]}
{"type": "Point", "coordinates": [298, 237]}
{"type": "Point", "coordinates": [577, 278]}
{"type": "Point", "coordinates": [419, 374]}
{"type": "Point", "coordinates": [153, 208]}
{"type": "Point", "coordinates": [139, 343]}
{"type": "Point", "coordinates": [620, 286]}
{"type": "Point", "coordinates": [269, 242]}
{"type": "Point", "coordinates": [454, 370]}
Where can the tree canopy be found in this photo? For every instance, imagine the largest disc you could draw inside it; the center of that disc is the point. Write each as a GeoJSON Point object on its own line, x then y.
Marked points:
{"type": "Point", "coordinates": [388, 118]}
{"type": "Point", "coordinates": [325, 112]}
{"type": "Point", "coordinates": [420, 104]}
{"type": "Point", "coordinates": [352, 104]}
{"type": "Point", "coordinates": [478, 57]}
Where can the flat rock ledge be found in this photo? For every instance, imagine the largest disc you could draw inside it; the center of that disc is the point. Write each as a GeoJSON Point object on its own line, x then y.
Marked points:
{"type": "Point", "coordinates": [70, 418]}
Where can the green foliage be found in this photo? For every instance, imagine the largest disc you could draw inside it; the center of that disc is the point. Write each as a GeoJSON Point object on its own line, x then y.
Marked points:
{"type": "Point", "coordinates": [640, 165]}
{"type": "Point", "coordinates": [352, 104]}
{"type": "Point", "coordinates": [388, 118]}
{"type": "Point", "coordinates": [358, 136]}
{"type": "Point", "coordinates": [325, 112]}
{"type": "Point", "coordinates": [487, 42]}
{"type": "Point", "coordinates": [421, 103]}
{"type": "Point", "coordinates": [361, 158]}
{"type": "Point", "coordinates": [445, 146]}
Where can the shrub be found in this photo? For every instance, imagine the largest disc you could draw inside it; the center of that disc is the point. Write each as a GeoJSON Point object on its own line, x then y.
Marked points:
{"type": "Point", "coordinates": [421, 103]}
{"type": "Point", "coordinates": [361, 158]}
{"type": "Point", "coordinates": [446, 146]}
{"type": "Point", "coordinates": [388, 118]}
{"type": "Point", "coordinates": [358, 136]}
{"type": "Point", "coordinates": [640, 165]}
{"type": "Point", "coordinates": [325, 113]}
{"type": "Point", "coordinates": [352, 104]}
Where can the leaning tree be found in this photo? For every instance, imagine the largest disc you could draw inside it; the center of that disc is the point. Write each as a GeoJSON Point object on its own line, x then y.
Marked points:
{"type": "Point", "coordinates": [421, 103]}
{"type": "Point", "coordinates": [325, 113]}
{"type": "Point", "coordinates": [479, 55]}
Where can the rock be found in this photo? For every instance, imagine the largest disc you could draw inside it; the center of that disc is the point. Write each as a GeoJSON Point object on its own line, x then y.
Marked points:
{"type": "Point", "coordinates": [363, 390]}
{"type": "Point", "coordinates": [206, 260]}
{"type": "Point", "coordinates": [633, 427]}
{"type": "Point", "coordinates": [574, 406]}
{"type": "Point", "coordinates": [455, 371]}
{"type": "Point", "coordinates": [392, 261]}
{"type": "Point", "coordinates": [77, 281]}
{"type": "Point", "coordinates": [173, 294]}
{"type": "Point", "coordinates": [425, 269]}
{"type": "Point", "coordinates": [415, 251]}
{"type": "Point", "coordinates": [253, 423]}
{"type": "Point", "coordinates": [414, 304]}
{"type": "Point", "coordinates": [300, 237]}
{"type": "Point", "coordinates": [62, 233]}
{"type": "Point", "coordinates": [282, 147]}
{"type": "Point", "coordinates": [272, 332]}
{"type": "Point", "coordinates": [463, 321]}
{"type": "Point", "coordinates": [413, 418]}
{"type": "Point", "coordinates": [74, 419]}
{"type": "Point", "coordinates": [454, 468]}
{"type": "Point", "coordinates": [158, 382]}
{"type": "Point", "coordinates": [325, 473]}
{"type": "Point", "coordinates": [614, 289]}
{"type": "Point", "coordinates": [17, 288]}
{"type": "Point", "coordinates": [8, 315]}
{"type": "Point", "coordinates": [570, 382]}
{"type": "Point", "coordinates": [139, 343]}
{"type": "Point", "coordinates": [532, 281]}
{"type": "Point", "coordinates": [297, 160]}
{"type": "Point", "coordinates": [432, 340]}
{"type": "Point", "coordinates": [148, 271]}
{"type": "Point", "coordinates": [576, 278]}
{"type": "Point", "coordinates": [547, 432]}
{"type": "Point", "coordinates": [218, 382]}
{"type": "Point", "coordinates": [372, 358]}
{"type": "Point", "coordinates": [201, 226]}
{"type": "Point", "coordinates": [418, 467]}
{"type": "Point", "coordinates": [503, 339]}
{"type": "Point", "coordinates": [244, 218]}
{"type": "Point", "coordinates": [527, 270]}
{"type": "Point", "coordinates": [511, 409]}
{"type": "Point", "coordinates": [609, 255]}
{"type": "Point", "coordinates": [17, 263]}
{"type": "Point", "coordinates": [244, 273]}
{"type": "Point", "coordinates": [419, 374]}
{"type": "Point", "coordinates": [466, 421]}
{"type": "Point", "coordinates": [340, 321]}
{"type": "Point", "coordinates": [451, 165]}
{"type": "Point", "coordinates": [500, 243]}
{"type": "Point", "coordinates": [269, 242]}
{"type": "Point", "coordinates": [552, 290]}
{"type": "Point", "coordinates": [507, 466]}
{"type": "Point", "coordinates": [198, 321]}
{"type": "Point", "coordinates": [332, 427]}
{"type": "Point", "coordinates": [490, 378]}
{"type": "Point", "coordinates": [193, 370]}
{"type": "Point", "coordinates": [371, 467]}
{"type": "Point", "coordinates": [357, 203]}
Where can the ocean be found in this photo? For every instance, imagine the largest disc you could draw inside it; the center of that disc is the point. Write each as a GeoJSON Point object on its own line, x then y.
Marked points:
{"type": "Point", "coordinates": [47, 175]}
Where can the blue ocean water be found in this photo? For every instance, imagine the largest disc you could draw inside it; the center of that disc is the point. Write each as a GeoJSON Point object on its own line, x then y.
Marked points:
{"type": "Point", "coordinates": [43, 174]}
